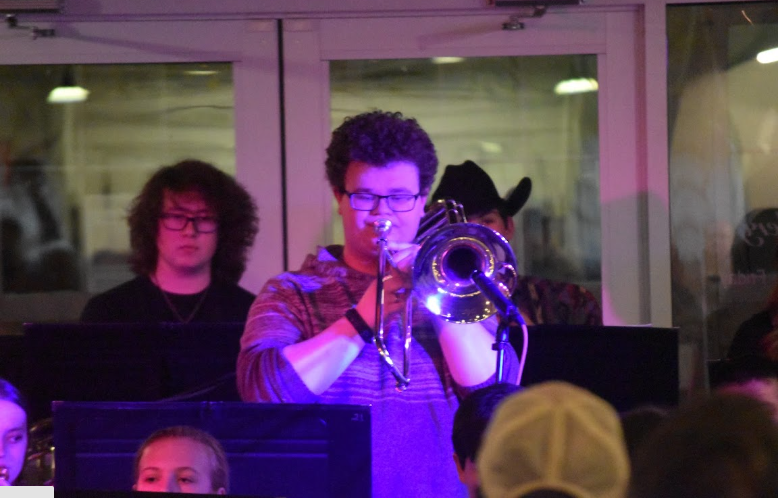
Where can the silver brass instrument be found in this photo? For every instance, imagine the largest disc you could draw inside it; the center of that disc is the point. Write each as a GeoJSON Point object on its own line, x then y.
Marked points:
{"type": "Point", "coordinates": [382, 228]}
{"type": "Point", "coordinates": [39, 466]}
{"type": "Point", "coordinates": [451, 251]}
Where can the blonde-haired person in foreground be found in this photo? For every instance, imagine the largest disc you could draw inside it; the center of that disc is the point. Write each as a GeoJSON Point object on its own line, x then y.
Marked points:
{"type": "Point", "coordinates": [181, 459]}
{"type": "Point", "coordinates": [554, 440]}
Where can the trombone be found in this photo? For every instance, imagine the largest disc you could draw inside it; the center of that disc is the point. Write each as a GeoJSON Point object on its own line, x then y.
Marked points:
{"type": "Point", "coordinates": [444, 273]}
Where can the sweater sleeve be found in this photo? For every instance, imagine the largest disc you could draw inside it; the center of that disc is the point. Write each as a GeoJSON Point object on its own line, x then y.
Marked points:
{"type": "Point", "coordinates": [276, 319]}
{"type": "Point", "coordinates": [510, 365]}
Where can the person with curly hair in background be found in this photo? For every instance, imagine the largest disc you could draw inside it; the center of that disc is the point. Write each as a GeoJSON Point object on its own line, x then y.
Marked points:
{"type": "Point", "coordinates": [191, 228]}
{"type": "Point", "coordinates": [309, 337]}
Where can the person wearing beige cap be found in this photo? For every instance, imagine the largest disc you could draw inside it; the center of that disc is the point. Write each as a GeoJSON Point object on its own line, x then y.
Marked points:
{"type": "Point", "coordinates": [540, 301]}
{"type": "Point", "coordinates": [556, 440]}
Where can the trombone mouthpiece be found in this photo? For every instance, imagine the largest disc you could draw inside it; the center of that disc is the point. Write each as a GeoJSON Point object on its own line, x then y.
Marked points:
{"type": "Point", "coordinates": [4, 473]}
{"type": "Point", "coordinates": [382, 227]}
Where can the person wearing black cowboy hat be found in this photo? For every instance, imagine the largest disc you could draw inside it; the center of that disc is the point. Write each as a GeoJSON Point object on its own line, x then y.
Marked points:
{"type": "Point", "coordinates": [472, 187]}
{"type": "Point", "coordinates": [540, 301]}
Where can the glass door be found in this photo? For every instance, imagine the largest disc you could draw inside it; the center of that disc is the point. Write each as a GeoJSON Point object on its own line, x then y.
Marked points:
{"type": "Point", "coordinates": [722, 128]}
{"type": "Point", "coordinates": [533, 116]}
{"type": "Point", "coordinates": [532, 102]}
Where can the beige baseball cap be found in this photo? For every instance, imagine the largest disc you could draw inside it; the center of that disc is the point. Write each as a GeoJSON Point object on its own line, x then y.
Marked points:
{"type": "Point", "coordinates": [557, 437]}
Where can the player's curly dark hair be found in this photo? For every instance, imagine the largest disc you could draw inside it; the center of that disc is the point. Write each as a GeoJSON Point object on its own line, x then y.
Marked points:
{"type": "Point", "coordinates": [233, 206]}
{"type": "Point", "coordinates": [377, 138]}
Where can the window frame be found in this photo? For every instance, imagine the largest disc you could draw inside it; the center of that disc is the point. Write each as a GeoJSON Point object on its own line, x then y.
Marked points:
{"type": "Point", "coordinates": [251, 45]}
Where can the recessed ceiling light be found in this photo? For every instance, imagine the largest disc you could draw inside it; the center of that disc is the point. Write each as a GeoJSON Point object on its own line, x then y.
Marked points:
{"type": "Point", "coordinates": [576, 85]}
{"type": "Point", "coordinates": [67, 95]}
{"type": "Point", "coordinates": [201, 72]}
{"type": "Point", "coordinates": [767, 56]}
{"type": "Point", "coordinates": [447, 60]}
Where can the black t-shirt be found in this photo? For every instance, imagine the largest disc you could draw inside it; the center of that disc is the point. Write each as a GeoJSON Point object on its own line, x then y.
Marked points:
{"type": "Point", "coordinates": [139, 300]}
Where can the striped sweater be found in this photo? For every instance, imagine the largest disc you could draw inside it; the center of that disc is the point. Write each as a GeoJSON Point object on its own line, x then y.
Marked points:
{"type": "Point", "coordinates": [411, 430]}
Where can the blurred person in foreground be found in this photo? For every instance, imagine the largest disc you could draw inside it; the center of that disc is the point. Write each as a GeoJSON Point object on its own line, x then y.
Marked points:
{"type": "Point", "coordinates": [722, 446]}
{"type": "Point", "coordinates": [470, 421]}
{"type": "Point", "coordinates": [752, 375]}
{"type": "Point", "coordinates": [639, 423]}
{"type": "Point", "coordinates": [554, 440]}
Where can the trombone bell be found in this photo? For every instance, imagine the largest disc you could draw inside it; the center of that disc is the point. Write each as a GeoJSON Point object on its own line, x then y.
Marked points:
{"type": "Point", "coordinates": [451, 250]}
{"type": "Point", "coordinates": [445, 263]}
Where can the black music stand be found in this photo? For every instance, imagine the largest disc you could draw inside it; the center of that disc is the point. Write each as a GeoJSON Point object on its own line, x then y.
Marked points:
{"type": "Point", "coordinates": [99, 493]}
{"type": "Point", "coordinates": [129, 362]}
{"type": "Point", "coordinates": [627, 366]}
{"type": "Point", "coordinates": [289, 450]}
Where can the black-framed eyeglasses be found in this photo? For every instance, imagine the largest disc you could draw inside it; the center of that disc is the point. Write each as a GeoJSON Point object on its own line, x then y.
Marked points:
{"type": "Point", "coordinates": [202, 224]}
{"type": "Point", "coordinates": [365, 201]}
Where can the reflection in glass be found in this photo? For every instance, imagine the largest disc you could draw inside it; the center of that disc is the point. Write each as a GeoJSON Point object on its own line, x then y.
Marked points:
{"type": "Point", "coordinates": [503, 113]}
{"type": "Point", "coordinates": [69, 170]}
{"type": "Point", "coordinates": [723, 129]}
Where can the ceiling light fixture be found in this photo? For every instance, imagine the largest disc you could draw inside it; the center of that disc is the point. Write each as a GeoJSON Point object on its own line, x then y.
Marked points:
{"type": "Point", "coordinates": [576, 85]}
{"type": "Point", "coordinates": [447, 60]}
{"type": "Point", "coordinates": [201, 72]}
{"type": "Point", "coordinates": [767, 56]}
{"type": "Point", "coordinates": [68, 92]}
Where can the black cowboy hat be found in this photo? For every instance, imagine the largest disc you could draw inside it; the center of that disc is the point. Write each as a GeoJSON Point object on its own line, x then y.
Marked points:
{"type": "Point", "coordinates": [472, 187]}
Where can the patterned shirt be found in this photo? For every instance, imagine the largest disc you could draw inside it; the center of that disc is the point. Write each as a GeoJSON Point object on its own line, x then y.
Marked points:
{"type": "Point", "coordinates": [542, 301]}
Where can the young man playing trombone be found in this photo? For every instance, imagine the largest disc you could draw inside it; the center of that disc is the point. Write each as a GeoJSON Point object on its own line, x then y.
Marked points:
{"type": "Point", "coordinates": [309, 334]}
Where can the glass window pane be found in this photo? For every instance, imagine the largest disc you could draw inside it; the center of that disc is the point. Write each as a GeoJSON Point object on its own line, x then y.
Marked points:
{"type": "Point", "coordinates": [723, 126]}
{"type": "Point", "coordinates": [71, 169]}
{"type": "Point", "coordinates": [504, 114]}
